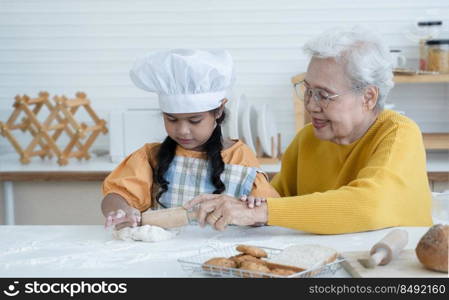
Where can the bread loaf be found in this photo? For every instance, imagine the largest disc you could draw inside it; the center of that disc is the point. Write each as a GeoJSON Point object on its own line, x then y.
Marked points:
{"type": "Point", "coordinates": [432, 249]}
{"type": "Point", "coordinates": [305, 256]}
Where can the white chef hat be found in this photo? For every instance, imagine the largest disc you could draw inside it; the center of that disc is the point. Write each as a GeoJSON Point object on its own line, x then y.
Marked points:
{"type": "Point", "coordinates": [185, 80]}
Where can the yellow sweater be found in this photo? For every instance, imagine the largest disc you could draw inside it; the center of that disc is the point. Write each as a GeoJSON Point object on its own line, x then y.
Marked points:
{"type": "Point", "coordinates": [377, 181]}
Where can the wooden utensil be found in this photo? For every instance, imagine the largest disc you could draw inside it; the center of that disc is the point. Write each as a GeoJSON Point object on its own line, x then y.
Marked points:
{"type": "Point", "coordinates": [169, 217]}
{"type": "Point", "coordinates": [386, 249]}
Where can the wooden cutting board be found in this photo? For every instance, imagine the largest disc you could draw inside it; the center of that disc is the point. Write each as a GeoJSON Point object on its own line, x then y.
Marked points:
{"type": "Point", "coordinates": [405, 265]}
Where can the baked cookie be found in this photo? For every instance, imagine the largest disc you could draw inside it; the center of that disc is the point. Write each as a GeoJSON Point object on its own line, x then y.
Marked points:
{"type": "Point", "coordinates": [244, 257]}
{"type": "Point", "coordinates": [253, 267]}
{"type": "Point", "coordinates": [251, 250]}
{"type": "Point", "coordinates": [282, 272]}
{"type": "Point", "coordinates": [219, 263]}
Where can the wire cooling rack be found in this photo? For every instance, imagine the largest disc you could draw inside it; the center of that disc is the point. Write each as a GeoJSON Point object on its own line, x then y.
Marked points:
{"type": "Point", "coordinates": [195, 265]}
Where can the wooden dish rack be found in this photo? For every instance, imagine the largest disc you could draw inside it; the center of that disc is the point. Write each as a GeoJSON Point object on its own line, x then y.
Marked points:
{"type": "Point", "coordinates": [60, 119]}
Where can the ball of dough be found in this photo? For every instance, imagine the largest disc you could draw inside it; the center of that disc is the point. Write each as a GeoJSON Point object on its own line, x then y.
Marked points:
{"type": "Point", "coordinates": [123, 234]}
{"type": "Point", "coordinates": [251, 250]}
{"type": "Point", "coordinates": [145, 233]}
{"type": "Point", "coordinates": [149, 233]}
{"type": "Point", "coordinates": [432, 249]}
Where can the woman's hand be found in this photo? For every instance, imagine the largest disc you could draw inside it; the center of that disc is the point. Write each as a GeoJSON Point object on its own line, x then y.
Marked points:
{"type": "Point", "coordinates": [221, 210]}
{"type": "Point", "coordinates": [252, 201]}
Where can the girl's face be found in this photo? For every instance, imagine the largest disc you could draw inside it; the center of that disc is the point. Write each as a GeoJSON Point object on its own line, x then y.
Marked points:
{"type": "Point", "coordinates": [191, 130]}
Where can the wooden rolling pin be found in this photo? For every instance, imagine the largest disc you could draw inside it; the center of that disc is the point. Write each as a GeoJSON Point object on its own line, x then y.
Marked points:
{"type": "Point", "coordinates": [386, 249]}
{"type": "Point", "coordinates": [169, 217]}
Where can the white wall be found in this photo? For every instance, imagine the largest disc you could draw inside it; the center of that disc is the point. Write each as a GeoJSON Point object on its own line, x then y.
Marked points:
{"type": "Point", "coordinates": [89, 45]}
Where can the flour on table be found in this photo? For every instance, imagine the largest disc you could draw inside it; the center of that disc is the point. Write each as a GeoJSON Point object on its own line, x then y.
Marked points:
{"type": "Point", "coordinates": [145, 233]}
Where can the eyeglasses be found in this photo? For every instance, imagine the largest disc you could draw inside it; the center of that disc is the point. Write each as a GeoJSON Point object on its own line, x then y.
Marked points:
{"type": "Point", "coordinates": [321, 96]}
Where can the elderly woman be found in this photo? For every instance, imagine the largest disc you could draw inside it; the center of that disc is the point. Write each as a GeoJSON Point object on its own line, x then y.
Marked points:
{"type": "Point", "coordinates": [356, 167]}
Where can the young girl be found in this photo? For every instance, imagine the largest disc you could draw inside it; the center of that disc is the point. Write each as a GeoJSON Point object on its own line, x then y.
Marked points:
{"type": "Point", "coordinates": [194, 158]}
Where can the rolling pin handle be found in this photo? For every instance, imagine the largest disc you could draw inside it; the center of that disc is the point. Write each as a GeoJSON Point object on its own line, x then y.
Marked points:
{"type": "Point", "coordinates": [393, 243]}
{"type": "Point", "coordinates": [380, 255]}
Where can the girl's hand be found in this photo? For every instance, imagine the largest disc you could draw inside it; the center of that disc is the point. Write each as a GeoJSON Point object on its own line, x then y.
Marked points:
{"type": "Point", "coordinates": [120, 218]}
{"type": "Point", "coordinates": [252, 201]}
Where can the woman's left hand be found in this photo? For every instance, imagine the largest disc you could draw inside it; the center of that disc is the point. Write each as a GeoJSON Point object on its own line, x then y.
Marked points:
{"type": "Point", "coordinates": [221, 210]}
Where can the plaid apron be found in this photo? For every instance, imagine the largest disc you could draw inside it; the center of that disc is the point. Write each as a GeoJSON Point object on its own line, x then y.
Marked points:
{"type": "Point", "coordinates": [190, 177]}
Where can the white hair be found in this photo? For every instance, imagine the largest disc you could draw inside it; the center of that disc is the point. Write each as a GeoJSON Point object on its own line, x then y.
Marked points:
{"type": "Point", "coordinates": [366, 57]}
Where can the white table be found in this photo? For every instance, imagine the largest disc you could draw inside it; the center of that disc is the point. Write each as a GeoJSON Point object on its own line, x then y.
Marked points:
{"type": "Point", "coordinates": [90, 251]}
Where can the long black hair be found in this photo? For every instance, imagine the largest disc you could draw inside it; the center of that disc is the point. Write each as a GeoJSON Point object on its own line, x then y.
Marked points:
{"type": "Point", "coordinates": [212, 147]}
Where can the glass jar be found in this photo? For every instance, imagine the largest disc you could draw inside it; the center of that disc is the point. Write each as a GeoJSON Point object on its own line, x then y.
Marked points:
{"type": "Point", "coordinates": [438, 55]}
{"type": "Point", "coordinates": [427, 30]}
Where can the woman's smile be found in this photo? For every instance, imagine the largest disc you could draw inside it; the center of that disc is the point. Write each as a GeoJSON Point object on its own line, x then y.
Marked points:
{"type": "Point", "coordinates": [319, 123]}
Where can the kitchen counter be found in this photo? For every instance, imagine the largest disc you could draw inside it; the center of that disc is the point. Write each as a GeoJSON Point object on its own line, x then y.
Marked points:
{"type": "Point", "coordinates": [90, 251]}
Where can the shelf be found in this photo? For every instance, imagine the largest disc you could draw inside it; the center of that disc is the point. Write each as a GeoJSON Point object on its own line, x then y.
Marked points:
{"type": "Point", "coordinates": [53, 176]}
{"type": "Point", "coordinates": [436, 141]}
{"type": "Point", "coordinates": [400, 78]}
{"type": "Point", "coordinates": [421, 78]}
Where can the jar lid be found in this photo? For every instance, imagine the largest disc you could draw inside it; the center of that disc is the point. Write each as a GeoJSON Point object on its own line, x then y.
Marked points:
{"type": "Point", "coordinates": [438, 42]}
{"type": "Point", "coordinates": [430, 23]}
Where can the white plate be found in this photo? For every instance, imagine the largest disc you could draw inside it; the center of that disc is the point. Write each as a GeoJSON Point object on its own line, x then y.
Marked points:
{"type": "Point", "coordinates": [254, 114]}
{"type": "Point", "coordinates": [272, 129]}
{"type": "Point", "coordinates": [245, 122]}
{"type": "Point", "coordinates": [230, 127]}
{"type": "Point", "coordinates": [266, 129]}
